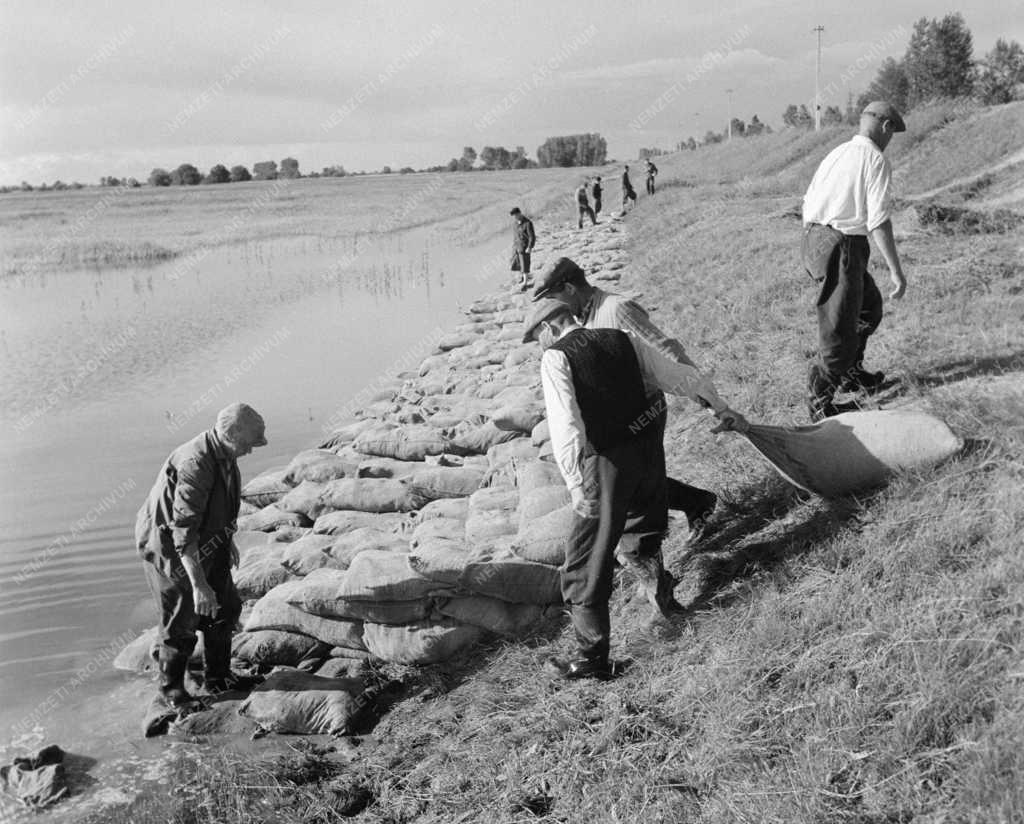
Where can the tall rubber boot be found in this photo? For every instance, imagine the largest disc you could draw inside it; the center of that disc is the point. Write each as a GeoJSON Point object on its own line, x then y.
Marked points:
{"type": "Point", "coordinates": [218, 676]}
{"type": "Point", "coordinates": [172, 664]}
{"type": "Point", "coordinates": [820, 394]}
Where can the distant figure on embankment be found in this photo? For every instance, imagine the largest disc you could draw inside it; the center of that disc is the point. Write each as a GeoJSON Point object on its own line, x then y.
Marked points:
{"type": "Point", "coordinates": [850, 198]}
{"type": "Point", "coordinates": [594, 395]}
{"type": "Point", "coordinates": [628, 195]}
{"type": "Point", "coordinates": [523, 241]}
{"type": "Point", "coordinates": [651, 172]}
{"type": "Point", "coordinates": [596, 192]}
{"type": "Point", "coordinates": [583, 204]}
{"type": "Point", "coordinates": [594, 308]}
{"type": "Point", "coordinates": [184, 534]}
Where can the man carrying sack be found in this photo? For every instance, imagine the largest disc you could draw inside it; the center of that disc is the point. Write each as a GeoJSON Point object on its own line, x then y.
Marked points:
{"type": "Point", "coordinates": [607, 453]}
{"type": "Point", "coordinates": [850, 198]}
{"type": "Point", "coordinates": [184, 534]}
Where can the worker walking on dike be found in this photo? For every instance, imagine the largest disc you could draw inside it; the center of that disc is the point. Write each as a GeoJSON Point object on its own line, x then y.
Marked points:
{"type": "Point", "coordinates": [594, 308]}
{"type": "Point", "coordinates": [184, 534]}
{"type": "Point", "coordinates": [850, 198]}
{"type": "Point", "coordinates": [628, 195]}
{"type": "Point", "coordinates": [584, 206]}
{"type": "Point", "coordinates": [593, 381]}
{"type": "Point", "coordinates": [523, 241]}
{"type": "Point", "coordinates": [596, 191]}
{"type": "Point", "coordinates": [651, 172]}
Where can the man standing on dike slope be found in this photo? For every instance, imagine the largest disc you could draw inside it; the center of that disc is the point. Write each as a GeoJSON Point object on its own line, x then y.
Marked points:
{"type": "Point", "coordinates": [184, 534]}
{"type": "Point", "coordinates": [597, 411]}
{"type": "Point", "coordinates": [523, 241]}
{"type": "Point", "coordinates": [850, 198]}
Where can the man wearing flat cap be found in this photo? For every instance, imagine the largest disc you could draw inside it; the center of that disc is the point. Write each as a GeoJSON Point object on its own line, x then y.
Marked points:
{"type": "Point", "coordinates": [849, 199]}
{"type": "Point", "coordinates": [184, 534]}
{"type": "Point", "coordinates": [595, 308]}
{"type": "Point", "coordinates": [597, 412]}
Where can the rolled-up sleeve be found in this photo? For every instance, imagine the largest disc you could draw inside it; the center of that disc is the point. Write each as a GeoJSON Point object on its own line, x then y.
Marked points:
{"type": "Point", "coordinates": [191, 493]}
{"type": "Point", "coordinates": [633, 320]}
{"type": "Point", "coordinates": [878, 193]}
{"type": "Point", "coordinates": [677, 378]}
{"type": "Point", "coordinates": [565, 422]}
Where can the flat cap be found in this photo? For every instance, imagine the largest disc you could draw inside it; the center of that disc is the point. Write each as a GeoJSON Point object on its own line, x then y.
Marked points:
{"type": "Point", "coordinates": [554, 275]}
{"type": "Point", "coordinates": [242, 416]}
{"type": "Point", "coordinates": [545, 309]}
{"type": "Point", "coordinates": [886, 111]}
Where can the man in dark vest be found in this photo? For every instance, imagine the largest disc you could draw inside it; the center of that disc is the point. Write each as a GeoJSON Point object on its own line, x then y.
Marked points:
{"type": "Point", "coordinates": [606, 450]}
{"type": "Point", "coordinates": [184, 534]}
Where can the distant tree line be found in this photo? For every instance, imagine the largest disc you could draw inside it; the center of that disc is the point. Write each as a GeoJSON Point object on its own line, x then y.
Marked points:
{"type": "Point", "coordinates": [753, 128]}
{"type": "Point", "coordinates": [588, 149]}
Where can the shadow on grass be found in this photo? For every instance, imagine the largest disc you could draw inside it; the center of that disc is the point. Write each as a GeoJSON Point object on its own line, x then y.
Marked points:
{"type": "Point", "coordinates": [965, 368]}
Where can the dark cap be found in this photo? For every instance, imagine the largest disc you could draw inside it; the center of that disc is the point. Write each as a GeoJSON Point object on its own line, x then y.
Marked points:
{"type": "Point", "coordinates": [515, 211]}
{"type": "Point", "coordinates": [886, 111]}
{"type": "Point", "coordinates": [555, 274]}
{"type": "Point", "coordinates": [544, 309]}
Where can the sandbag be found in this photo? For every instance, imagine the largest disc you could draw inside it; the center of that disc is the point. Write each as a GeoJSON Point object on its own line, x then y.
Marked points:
{"type": "Point", "coordinates": [286, 533]}
{"type": "Point", "coordinates": [370, 495]}
{"type": "Point", "coordinates": [276, 610]}
{"type": "Point", "coordinates": [522, 354]}
{"type": "Point", "coordinates": [387, 468]}
{"type": "Point", "coordinates": [456, 340]}
{"type": "Point", "coordinates": [308, 553]}
{"type": "Point", "coordinates": [540, 501]}
{"type": "Point", "coordinates": [502, 574]}
{"type": "Point", "coordinates": [451, 529]}
{"type": "Point", "coordinates": [407, 443]}
{"type": "Point", "coordinates": [140, 655]}
{"type": "Point", "coordinates": [338, 523]}
{"type": "Point", "coordinates": [540, 434]}
{"type": "Point", "coordinates": [492, 523]}
{"type": "Point", "coordinates": [493, 615]}
{"type": "Point", "coordinates": [488, 306]}
{"type": "Point", "coordinates": [518, 418]}
{"type": "Point", "coordinates": [260, 570]}
{"type": "Point", "coordinates": [292, 701]}
{"type": "Point", "coordinates": [305, 499]}
{"type": "Point", "coordinates": [384, 576]}
{"type": "Point", "coordinates": [457, 508]}
{"type": "Point", "coordinates": [433, 363]}
{"type": "Point", "coordinates": [341, 668]}
{"type": "Point", "coordinates": [246, 541]}
{"type": "Point", "coordinates": [267, 487]}
{"type": "Point", "coordinates": [348, 433]}
{"type": "Point", "coordinates": [319, 595]}
{"type": "Point", "coordinates": [270, 518]}
{"type": "Point", "coordinates": [273, 647]}
{"type": "Point", "coordinates": [518, 449]}
{"type": "Point", "coordinates": [344, 548]}
{"type": "Point", "coordinates": [536, 474]}
{"type": "Point", "coordinates": [854, 451]}
{"type": "Point", "coordinates": [220, 718]}
{"type": "Point", "coordinates": [427, 642]}
{"type": "Point", "coordinates": [318, 465]}
{"type": "Point", "coordinates": [432, 483]}
{"type": "Point", "coordinates": [518, 396]}
{"type": "Point", "coordinates": [479, 440]}
{"type": "Point", "coordinates": [544, 539]}
{"type": "Point", "coordinates": [493, 498]}
{"type": "Point", "coordinates": [440, 559]}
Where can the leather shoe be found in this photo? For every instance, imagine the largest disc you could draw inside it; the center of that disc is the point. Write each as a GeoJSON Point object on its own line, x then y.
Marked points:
{"type": "Point", "coordinates": [598, 669]}
{"type": "Point", "coordinates": [860, 380]}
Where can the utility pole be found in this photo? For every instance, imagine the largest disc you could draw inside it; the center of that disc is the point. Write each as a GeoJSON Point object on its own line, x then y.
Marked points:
{"type": "Point", "coordinates": [817, 83]}
{"type": "Point", "coordinates": [729, 92]}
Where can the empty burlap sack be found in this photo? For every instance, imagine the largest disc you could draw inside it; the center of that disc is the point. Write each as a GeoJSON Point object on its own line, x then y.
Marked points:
{"type": "Point", "coordinates": [427, 642]}
{"type": "Point", "coordinates": [854, 451]}
{"type": "Point", "coordinates": [292, 701]}
{"type": "Point", "coordinates": [267, 487]}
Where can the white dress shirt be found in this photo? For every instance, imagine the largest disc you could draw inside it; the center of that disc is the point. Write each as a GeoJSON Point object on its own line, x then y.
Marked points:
{"type": "Point", "coordinates": [565, 422]}
{"type": "Point", "coordinates": [852, 189]}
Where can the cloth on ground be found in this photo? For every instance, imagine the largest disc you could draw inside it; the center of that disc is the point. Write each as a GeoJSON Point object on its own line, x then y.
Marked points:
{"type": "Point", "coordinates": [38, 780]}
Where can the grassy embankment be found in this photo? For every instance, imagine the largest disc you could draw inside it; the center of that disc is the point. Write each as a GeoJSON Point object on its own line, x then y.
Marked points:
{"type": "Point", "coordinates": [51, 231]}
{"type": "Point", "coordinates": [859, 660]}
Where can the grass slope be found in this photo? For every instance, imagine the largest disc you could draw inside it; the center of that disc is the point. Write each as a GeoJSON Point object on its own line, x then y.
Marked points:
{"type": "Point", "coordinates": [859, 660]}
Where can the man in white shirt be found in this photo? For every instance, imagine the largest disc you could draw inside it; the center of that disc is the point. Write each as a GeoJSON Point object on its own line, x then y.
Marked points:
{"type": "Point", "coordinates": [849, 199]}
{"type": "Point", "coordinates": [597, 412]}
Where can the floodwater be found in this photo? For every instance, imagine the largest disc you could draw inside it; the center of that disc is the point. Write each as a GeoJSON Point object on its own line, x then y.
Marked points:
{"type": "Point", "coordinates": [105, 372]}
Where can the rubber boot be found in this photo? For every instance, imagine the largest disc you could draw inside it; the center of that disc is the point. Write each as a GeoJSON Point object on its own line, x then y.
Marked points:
{"type": "Point", "coordinates": [218, 676]}
{"type": "Point", "coordinates": [172, 664]}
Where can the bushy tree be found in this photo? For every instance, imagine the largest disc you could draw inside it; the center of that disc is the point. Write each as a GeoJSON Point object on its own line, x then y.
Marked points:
{"type": "Point", "coordinates": [265, 170]}
{"type": "Point", "coordinates": [406, 170]}
{"type": "Point", "coordinates": [737, 126]}
{"type": "Point", "coordinates": [468, 159]}
{"type": "Point", "coordinates": [159, 177]}
{"type": "Point", "coordinates": [333, 171]}
{"type": "Point", "coordinates": [798, 118]}
{"type": "Point", "coordinates": [891, 83]}
{"type": "Point", "coordinates": [938, 60]}
{"type": "Point", "coordinates": [218, 174]}
{"type": "Point", "coordinates": [589, 149]}
{"type": "Point", "coordinates": [754, 127]}
{"type": "Point", "coordinates": [385, 170]}
{"type": "Point", "coordinates": [186, 175]}
{"type": "Point", "coordinates": [832, 116]}
{"type": "Point", "coordinates": [239, 174]}
{"type": "Point", "coordinates": [289, 169]}
{"type": "Point", "coordinates": [711, 137]}
{"type": "Point", "coordinates": [1000, 73]}
{"type": "Point", "coordinates": [453, 165]}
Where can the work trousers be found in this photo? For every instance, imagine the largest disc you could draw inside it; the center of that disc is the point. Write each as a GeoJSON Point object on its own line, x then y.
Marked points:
{"type": "Point", "coordinates": [597, 205]}
{"type": "Point", "coordinates": [524, 261]}
{"type": "Point", "coordinates": [849, 307]}
{"type": "Point", "coordinates": [633, 516]}
{"type": "Point", "coordinates": [650, 185]}
{"type": "Point", "coordinates": [177, 615]}
{"type": "Point", "coordinates": [681, 497]}
{"type": "Point", "coordinates": [586, 211]}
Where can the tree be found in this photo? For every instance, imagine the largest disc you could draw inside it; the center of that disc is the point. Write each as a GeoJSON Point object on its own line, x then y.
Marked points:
{"type": "Point", "coordinates": [832, 116]}
{"type": "Point", "coordinates": [468, 159]}
{"type": "Point", "coordinates": [691, 144]}
{"type": "Point", "coordinates": [710, 138]}
{"type": "Point", "coordinates": [289, 169]}
{"type": "Point", "coordinates": [406, 170]}
{"type": "Point", "coordinates": [891, 83]}
{"type": "Point", "coordinates": [589, 149]}
{"type": "Point", "coordinates": [939, 60]}
{"type": "Point", "coordinates": [333, 171]}
{"type": "Point", "coordinates": [1000, 72]}
{"type": "Point", "coordinates": [386, 170]}
{"type": "Point", "coordinates": [186, 175]}
{"type": "Point", "coordinates": [264, 170]}
{"type": "Point", "coordinates": [754, 127]}
{"type": "Point", "coordinates": [131, 183]}
{"type": "Point", "coordinates": [738, 127]}
{"type": "Point", "coordinates": [453, 165]}
{"type": "Point", "coordinates": [159, 177]}
{"type": "Point", "coordinates": [239, 174]}
{"type": "Point", "coordinates": [218, 174]}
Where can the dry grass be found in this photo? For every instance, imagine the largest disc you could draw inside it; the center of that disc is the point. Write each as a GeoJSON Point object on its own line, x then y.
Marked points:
{"type": "Point", "coordinates": [859, 660]}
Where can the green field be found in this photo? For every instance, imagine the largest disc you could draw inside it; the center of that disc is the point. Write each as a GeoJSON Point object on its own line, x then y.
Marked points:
{"type": "Point", "coordinates": [859, 660]}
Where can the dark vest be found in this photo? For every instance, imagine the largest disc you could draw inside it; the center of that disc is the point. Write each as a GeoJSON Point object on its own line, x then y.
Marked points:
{"type": "Point", "coordinates": [609, 386]}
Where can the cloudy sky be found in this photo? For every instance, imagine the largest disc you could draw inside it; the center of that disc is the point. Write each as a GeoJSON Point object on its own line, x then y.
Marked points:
{"type": "Point", "coordinates": [119, 87]}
